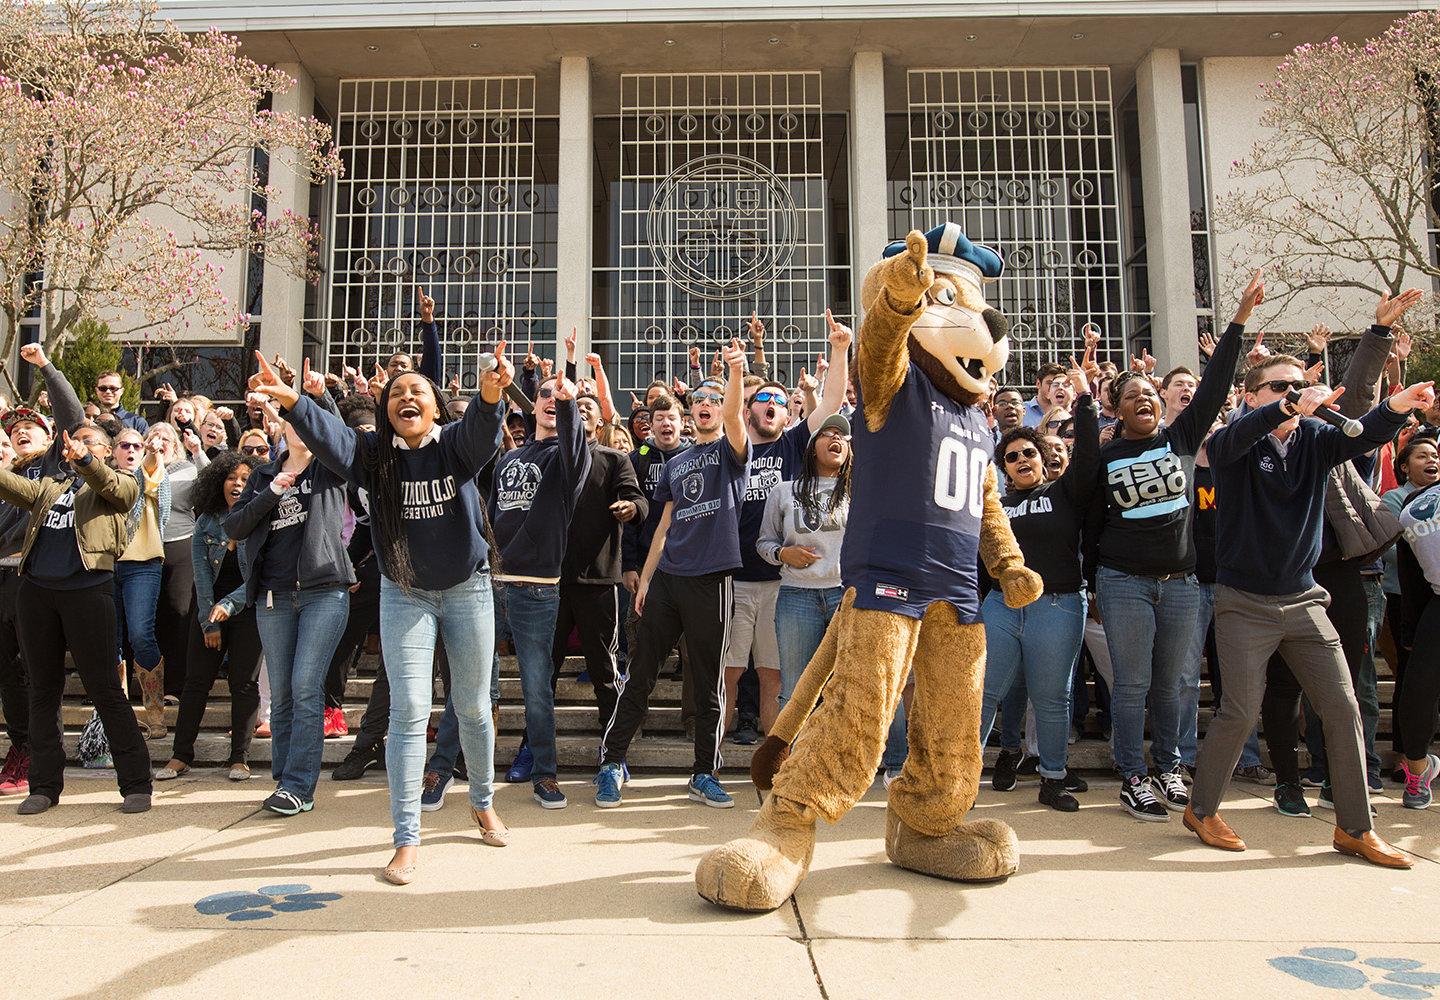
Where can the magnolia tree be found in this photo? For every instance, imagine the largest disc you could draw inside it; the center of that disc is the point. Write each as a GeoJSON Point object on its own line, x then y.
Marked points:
{"type": "Point", "coordinates": [127, 164]}
{"type": "Point", "coordinates": [1337, 195]}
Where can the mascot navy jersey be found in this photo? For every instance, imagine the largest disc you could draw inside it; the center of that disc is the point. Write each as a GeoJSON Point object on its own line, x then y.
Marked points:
{"type": "Point", "coordinates": [916, 503]}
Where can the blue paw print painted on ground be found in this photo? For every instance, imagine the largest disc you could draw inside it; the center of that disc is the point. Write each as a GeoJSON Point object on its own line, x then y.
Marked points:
{"type": "Point", "coordinates": [265, 902]}
{"type": "Point", "coordinates": [1343, 969]}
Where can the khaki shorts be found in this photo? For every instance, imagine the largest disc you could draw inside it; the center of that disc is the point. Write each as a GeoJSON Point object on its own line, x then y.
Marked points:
{"type": "Point", "coordinates": [752, 626]}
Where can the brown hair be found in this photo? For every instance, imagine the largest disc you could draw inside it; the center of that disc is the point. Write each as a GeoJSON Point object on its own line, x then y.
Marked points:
{"type": "Point", "coordinates": [1255, 375]}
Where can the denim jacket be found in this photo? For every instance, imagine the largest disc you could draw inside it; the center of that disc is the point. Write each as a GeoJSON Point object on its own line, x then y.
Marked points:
{"type": "Point", "coordinates": [207, 551]}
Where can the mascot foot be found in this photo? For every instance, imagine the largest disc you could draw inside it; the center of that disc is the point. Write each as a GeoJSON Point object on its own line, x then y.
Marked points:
{"type": "Point", "coordinates": [759, 872]}
{"type": "Point", "coordinates": [983, 850]}
{"type": "Point", "coordinates": [765, 763]}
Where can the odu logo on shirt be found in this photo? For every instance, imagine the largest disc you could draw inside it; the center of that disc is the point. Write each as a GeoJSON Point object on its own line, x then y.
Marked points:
{"type": "Point", "coordinates": [1151, 484]}
{"type": "Point", "coordinates": [515, 488]}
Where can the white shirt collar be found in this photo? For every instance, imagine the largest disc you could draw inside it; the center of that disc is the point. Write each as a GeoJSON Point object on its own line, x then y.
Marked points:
{"type": "Point", "coordinates": [430, 438]}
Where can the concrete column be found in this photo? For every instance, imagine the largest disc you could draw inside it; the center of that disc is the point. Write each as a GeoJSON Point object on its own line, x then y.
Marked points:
{"type": "Point", "coordinates": [282, 306]}
{"type": "Point", "coordinates": [869, 228]}
{"type": "Point", "coordinates": [1166, 191]}
{"type": "Point", "coordinates": [576, 206]}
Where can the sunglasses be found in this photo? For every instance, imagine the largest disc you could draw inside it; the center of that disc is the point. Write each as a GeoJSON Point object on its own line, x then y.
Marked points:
{"type": "Point", "coordinates": [107, 388]}
{"type": "Point", "coordinates": [1055, 425]}
{"type": "Point", "coordinates": [1283, 385]}
{"type": "Point", "coordinates": [706, 397]}
{"type": "Point", "coordinates": [1015, 456]}
{"type": "Point", "coordinates": [770, 397]}
{"type": "Point", "coordinates": [128, 445]}
{"type": "Point", "coordinates": [545, 393]}
{"type": "Point", "coordinates": [255, 449]}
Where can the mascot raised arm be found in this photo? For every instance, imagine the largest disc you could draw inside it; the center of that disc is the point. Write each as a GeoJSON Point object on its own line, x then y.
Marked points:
{"type": "Point", "coordinates": [924, 509]}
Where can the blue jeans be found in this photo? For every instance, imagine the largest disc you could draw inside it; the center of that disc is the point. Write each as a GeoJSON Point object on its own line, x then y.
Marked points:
{"type": "Point", "coordinates": [1040, 642]}
{"type": "Point", "coordinates": [1012, 712]}
{"type": "Point", "coordinates": [529, 611]}
{"type": "Point", "coordinates": [299, 631]}
{"type": "Point", "coordinates": [137, 592]}
{"type": "Point", "coordinates": [1190, 689]}
{"type": "Point", "coordinates": [1149, 628]}
{"type": "Point", "coordinates": [802, 614]}
{"type": "Point", "coordinates": [464, 616]}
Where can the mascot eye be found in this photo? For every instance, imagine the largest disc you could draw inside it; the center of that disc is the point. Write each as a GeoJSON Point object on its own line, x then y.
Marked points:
{"type": "Point", "coordinates": [946, 296]}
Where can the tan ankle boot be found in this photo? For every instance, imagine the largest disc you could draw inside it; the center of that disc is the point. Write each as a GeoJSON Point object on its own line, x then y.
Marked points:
{"type": "Point", "coordinates": [152, 697]}
{"type": "Point", "coordinates": [759, 872]}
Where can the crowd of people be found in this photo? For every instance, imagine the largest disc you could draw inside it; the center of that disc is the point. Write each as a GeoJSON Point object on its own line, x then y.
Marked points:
{"type": "Point", "coordinates": [267, 545]}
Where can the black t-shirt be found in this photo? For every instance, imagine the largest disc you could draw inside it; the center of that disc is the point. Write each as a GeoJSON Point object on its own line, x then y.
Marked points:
{"type": "Point", "coordinates": [54, 559]}
{"type": "Point", "coordinates": [280, 558]}
{"type": "Point", "coordinates": [228, 579]}
{"type": "Point", "coordinates": [1204, 524]}
{"type": "Point", "coordinates": [771, 463]}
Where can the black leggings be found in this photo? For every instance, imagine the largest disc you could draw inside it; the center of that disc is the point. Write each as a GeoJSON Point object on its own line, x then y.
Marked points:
{"type": "Point", "coordinates": [364, 619]}
{"type": "Point", "coordinates": [1394, 609]}
{"type": "Point", "coordinates": [1419, 708]}
{"type": "Point", "coordinates": [83, 621]}
{"type": "Point", "coordinates": [175, 611]}
{"type": "Point", "coordinates": [1280, 720]}
{"type": "Point", "coordinates": [240, 641]}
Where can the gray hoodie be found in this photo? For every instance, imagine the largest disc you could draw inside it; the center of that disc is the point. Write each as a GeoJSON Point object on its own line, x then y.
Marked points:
{"type": "Point", "coordinates": [786, 523]}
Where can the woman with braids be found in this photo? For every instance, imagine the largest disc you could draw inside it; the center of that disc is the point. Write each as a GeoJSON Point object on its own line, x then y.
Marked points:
{"type": "Point", "coordinates": [1040, 642]}
{"type": "Point", "coordinates": [297, 575]}
{"type": "Point", "coordinates": [1146, 588]}
{"type": "Point", "coordinates": [801, 533]}
{"type": "Point", "coordinates": [223, 626]}
{"type": "Point", "coordinates": [427, 521]}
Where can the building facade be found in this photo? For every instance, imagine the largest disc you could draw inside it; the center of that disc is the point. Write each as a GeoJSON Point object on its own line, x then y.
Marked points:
{"type": "Point", "coordinates": [651, 173]}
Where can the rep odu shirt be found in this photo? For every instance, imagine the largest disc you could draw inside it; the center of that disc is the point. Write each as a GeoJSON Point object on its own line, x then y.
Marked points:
{"type": "Point", "coordinates": [707, 485]}
{"type": "Point", "coordinates": [917, 497]}
{"type": "Point", "coordinates": [771, 463]}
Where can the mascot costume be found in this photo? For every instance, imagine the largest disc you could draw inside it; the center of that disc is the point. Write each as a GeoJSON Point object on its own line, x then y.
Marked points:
{"type": "Point", "coordinates": [924, 508]}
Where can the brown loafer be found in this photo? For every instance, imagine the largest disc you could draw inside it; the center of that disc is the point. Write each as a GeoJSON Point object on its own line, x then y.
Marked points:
{"type": "Point", "coordinates": [1213, 831]}
{"type": "Point", "coordinates": [1372, 848]}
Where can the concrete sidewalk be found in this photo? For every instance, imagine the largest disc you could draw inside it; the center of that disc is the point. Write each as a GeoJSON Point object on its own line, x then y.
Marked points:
{"type": "Point", "coordinates": [206, 896]}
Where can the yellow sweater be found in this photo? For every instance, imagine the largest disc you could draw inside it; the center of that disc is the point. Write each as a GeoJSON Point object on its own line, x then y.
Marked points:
{"type": "Point", "coordinates": [147, 544]}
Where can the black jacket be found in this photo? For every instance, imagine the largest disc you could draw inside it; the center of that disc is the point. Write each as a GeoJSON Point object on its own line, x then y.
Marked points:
{"type": "Point", "coordinates": [592, 549]}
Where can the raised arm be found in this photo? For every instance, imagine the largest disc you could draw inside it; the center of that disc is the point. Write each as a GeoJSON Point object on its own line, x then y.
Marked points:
{"type": "Point", "coordinates": [255, 505]}
{"type": "Point", "coordinates": [1191, 426]}
{"type": "Point", "coordinates": [118, 490]}
{"type": "Point", "coordinates": [432, 356]}
{"type": "Point", "coordinates": [334, 444]}
{"type": "Point", "coordinates": [732, 407]}
{"type": "Point", "coordinates": [18, 491]}
{"type": "Point", "coordinates": [602, 386]}
{"type": "Point", "coordinates": [574, 451]}
{"type": "Point", "coordinates": [882, 359]}
{"type": "Point", "coordinates": [833, 394]}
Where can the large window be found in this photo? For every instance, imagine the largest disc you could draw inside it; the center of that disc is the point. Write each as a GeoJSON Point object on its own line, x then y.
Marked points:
{"type": "Point", "coordinates": [1024, 160]}
{"type": "Point", "coordinates": [718, 195]}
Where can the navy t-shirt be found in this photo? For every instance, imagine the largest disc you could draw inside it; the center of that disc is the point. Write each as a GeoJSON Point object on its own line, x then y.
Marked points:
{"type": "Point", "coordinates": [771, 463]}
{"type": "Point", "coordinates": [54, 559]}
{"type": "Point", "coordinates": [707, 485]}
{"type": "Point", "coordinates": [917, 498]}
{"type": "Point", "coordinates": [280, 558]}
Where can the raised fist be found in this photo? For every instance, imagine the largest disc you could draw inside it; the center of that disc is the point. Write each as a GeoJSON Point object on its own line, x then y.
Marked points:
{"type": "Point", "coordinates": [906, 276]}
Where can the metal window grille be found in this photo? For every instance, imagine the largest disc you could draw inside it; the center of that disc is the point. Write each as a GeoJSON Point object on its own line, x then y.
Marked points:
{"type": "Point", "coordinates": [722, 207]}
{"type": "Point", "coordinates": [438, 191]}
{"type": "Point", "coordinates": [1025, 160]}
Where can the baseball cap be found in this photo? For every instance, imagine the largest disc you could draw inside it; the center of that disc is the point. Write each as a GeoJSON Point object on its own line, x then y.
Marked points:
{"type": "Point", "coordinates": [24, 414]}
{"type": "Point", "coordinates": [835, 420]}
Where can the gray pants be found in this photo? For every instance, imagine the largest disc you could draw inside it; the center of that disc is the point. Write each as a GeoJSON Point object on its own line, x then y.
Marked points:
{"type": "Point", "coordinates": [1248, 629]}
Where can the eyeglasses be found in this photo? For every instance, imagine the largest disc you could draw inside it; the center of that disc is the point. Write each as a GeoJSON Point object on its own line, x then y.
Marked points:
{"type": "Point", "coordinates": [1055, 425]}
{"type": "Point", "coordinates": [706, 397]}
{"type": "Point", "coordinates": [255, 449]}
{"type": "Point", "coordinates": [770, 397]}
{"type": "Point", "coordinates": [1015, 456]}
{"type": "Point", "coordinates": [1011, 404]}
{"type": "Point", "coordinates": [107, 388]}
{"type": "Point", "coordinates": [545, 393]}
{"type": "Point", "coordinates": [128, 445]}
{"type": "Point", "coordinates": [1283, 385]}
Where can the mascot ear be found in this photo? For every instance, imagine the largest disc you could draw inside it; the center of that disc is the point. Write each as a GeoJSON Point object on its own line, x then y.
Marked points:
{"type": "Point", "coordinates": [998, 324]}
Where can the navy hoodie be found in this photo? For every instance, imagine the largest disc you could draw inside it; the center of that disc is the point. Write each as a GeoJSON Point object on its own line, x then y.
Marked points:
{"type": "Point", "coordinates": [441, 507]}
{"type": "Point", "coordinates": [536, 488]}
{"type": "Point", "coordinates": [1272, 506]}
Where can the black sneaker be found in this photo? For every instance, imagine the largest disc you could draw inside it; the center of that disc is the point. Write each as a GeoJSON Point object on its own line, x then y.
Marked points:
{"type": "Point", "coordinates": [1290, 800]}
{"type": "Point", "coordinates": [1054, 794]}
{"type": "Point", "coordinates": [1003, 777]}
{"type": "Point", "coordinates": [746, 732]}
{"type": "Point", "coordinates": [358, 761]}
{"type": "Point", "coordinates": [1029, 768]}
{"type": "Point", "coordinates": [1257, 774]}
{"type": "Point", "coordinates": [284, 803]}
{"type": "Point", "coordinates": [1139, 800]}
{"type": "Point", "coordinates": [1170, 789]}
{"type": "Point", "coordinates": [1075, 783]}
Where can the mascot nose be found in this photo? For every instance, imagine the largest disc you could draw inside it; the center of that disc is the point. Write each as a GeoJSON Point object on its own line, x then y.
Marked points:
{"type": "Point", "coordinates": [998, 324]}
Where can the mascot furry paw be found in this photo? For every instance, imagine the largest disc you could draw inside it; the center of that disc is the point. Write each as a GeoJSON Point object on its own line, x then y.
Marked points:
{"type": "Point", "coordinates": [924, 505]}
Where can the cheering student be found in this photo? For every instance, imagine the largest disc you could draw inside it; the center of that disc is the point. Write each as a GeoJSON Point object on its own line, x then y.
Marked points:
{"type": "Point", "coordinates": [78, 528]}
{"type": "Point", "coordinates": [223, 628]}
{"type": "Point", "coordinates": [1415, 704]}
{"type": "Point", "coordinates": [297, 575]}
{"type": "Point", "coordinates": [1271, 467]}
{"type": "Point", "coordinates": [138, 572]}
{"type": "Point", "coordinates": [427, 521]}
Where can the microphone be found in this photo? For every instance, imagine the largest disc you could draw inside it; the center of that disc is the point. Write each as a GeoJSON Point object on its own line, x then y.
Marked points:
{"type": "Point", "coordinates": [487, 363]}
{"type": "Point", "coordinates": [1332, 416]}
